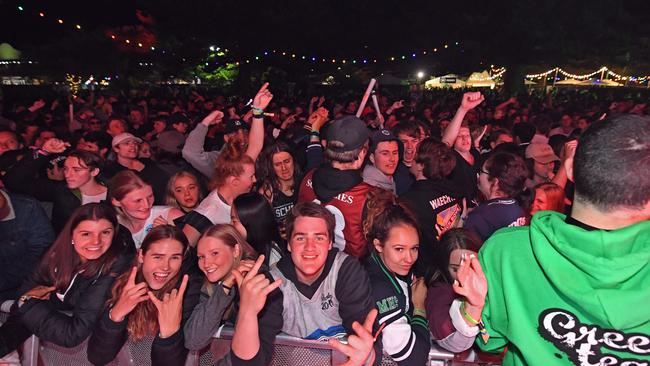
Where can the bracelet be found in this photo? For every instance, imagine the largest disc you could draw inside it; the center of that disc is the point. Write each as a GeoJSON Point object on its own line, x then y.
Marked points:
{"type": "Point", "coordinates": [420, 312]}
{"type": "Point", "coordinates": [468, 316]}
{"type": "Point", "coordinates": [110, 316]}
{"type": "Point", "coordinates": [226, 287]}
{"type": "Point", "coordinates": [315, 133]}
{"type": "Point", "coordinates": [481, 327]}
{"type": "Point", "coordinates": [257, 110]}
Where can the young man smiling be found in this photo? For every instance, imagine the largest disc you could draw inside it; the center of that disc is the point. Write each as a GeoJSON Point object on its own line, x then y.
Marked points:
{"type": "Point", "coordinates": [322, 291]}
{"type": "Point", "coordinates": [384, 157]}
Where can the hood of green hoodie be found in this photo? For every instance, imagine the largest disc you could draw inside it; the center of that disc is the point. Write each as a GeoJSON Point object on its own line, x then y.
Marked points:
{"type": "Point", "coordinates": [605, 274]}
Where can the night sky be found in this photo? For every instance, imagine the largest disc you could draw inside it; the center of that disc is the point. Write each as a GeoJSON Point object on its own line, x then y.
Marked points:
{"type": "Point", "coordinates": [535, 34]}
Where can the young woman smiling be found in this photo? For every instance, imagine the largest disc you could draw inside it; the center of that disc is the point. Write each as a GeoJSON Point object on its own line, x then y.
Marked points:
{"type": "Point", "coordinates": [133, 199]}
{"type": "Point", "coordinates": [150, 302]}
{"type": "Point", "coordinates": [221, 249]}
{"type": "Point", "coordinates": [75, 275]}
{"type": "Point", "coordinates": [391, 230]}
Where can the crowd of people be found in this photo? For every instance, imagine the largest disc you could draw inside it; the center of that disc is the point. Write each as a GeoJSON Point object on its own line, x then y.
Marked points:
{"type": "Point", "coordinates": [515, 226]}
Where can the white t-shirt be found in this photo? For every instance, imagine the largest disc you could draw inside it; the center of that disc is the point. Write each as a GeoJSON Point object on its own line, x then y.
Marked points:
{"type": "Point", "coordinates": [214, 209]}
{"type": "Point", "coordinates": [156, 211]}
{"type": "Point", "coordinates": [93, 199]}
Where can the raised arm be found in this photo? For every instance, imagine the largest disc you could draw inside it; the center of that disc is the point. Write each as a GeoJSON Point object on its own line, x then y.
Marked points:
{"type": "Point", "coordinates": [470, 100]}
{"type": "Point", "coordinates": [568, 153]}
{"type": "Point", "coordinates": [249, 346]}
{"type": "Point", "coordinates": [21, 178]}
{"type": "Point", "coordinates": [193, 150]}
{"type": "Point", "coordinates": [256, 135]}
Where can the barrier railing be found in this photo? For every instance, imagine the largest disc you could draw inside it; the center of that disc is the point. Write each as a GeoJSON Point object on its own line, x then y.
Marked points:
{"type": "Point", "coordinates": [288, 351]}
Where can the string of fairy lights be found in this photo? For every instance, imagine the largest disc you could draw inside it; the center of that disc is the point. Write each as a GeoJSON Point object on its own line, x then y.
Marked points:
{"type": "Point", "coordinates": [220, 56]}
{"type": "Point", "coordinates": [60, 21]}
{"type": "Point", "coordinates": [268, 53]}
{"type": "Point", "coordinates": [604, 71]}
{"type": "Point", "coordinates": [358, 60]}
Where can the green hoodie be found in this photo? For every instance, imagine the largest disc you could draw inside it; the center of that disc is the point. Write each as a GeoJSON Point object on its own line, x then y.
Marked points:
{"type": "Point", "coordinates": [562, 295]}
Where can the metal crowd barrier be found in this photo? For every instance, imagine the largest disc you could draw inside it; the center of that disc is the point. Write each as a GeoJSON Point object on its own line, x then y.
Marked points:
{"type": "Point", "coordinates": [288, 351]}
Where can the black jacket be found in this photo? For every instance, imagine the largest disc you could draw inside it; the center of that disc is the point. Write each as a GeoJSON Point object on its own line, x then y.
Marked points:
{"type": "Point", "coordinates": [438, 207]}
{"type": "Point", "coordinates": [109, 337]}
{"type": "Point", "coordinates": [49, 319]}
{"type": "Point", "coordinates": [392, 297]}
{"type": "Point", "coordinates": [151, 173]}
{"type": "Point", "coordinates": [22, 178]}
{"type": "Point", "coordinates": [22, 242]}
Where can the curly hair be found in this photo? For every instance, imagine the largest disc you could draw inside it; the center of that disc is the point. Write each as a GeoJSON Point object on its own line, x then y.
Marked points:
{"type": "Point", "coordinates": [264, 166]}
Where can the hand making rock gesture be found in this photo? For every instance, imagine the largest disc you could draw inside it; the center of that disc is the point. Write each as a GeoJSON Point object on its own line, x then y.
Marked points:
{"type": "Point", "coordinates": [254, 288]}
{"type": "Point", "coordinates": [170, 309]}
{"type": "Point", "coordinates": [131, 295]}
{"type": "Point", "coordinates": [360, 344]}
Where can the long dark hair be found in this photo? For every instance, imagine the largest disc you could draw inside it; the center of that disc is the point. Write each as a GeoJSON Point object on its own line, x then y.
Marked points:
{"type": "Point", "coordinates": [264, 167]}
{"type": "Point", "coordinates": [143, 320]}
{"type": "Point", "coordinates": [457, 238]}
{"type": "Point", "coordinates": [256, 214]}
{"type": "Point", "coordinates": [61, 262]}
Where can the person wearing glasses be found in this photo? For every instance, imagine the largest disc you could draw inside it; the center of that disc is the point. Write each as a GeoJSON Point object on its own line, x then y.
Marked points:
{"type": "Point", "coordinates": [501, 178]}
{"type": "Point", "coordinates": [457, 136]}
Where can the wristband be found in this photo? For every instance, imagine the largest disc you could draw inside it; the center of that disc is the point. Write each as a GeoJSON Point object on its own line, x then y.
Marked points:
{"type": "Point", "coordinates": [257, 110]}
{"type": "Point", "coordinates": [481, 327]}
{"type": "Point", "coordinates": [420, 312]}
{"type": "Point", "coordinates": [226, 287]}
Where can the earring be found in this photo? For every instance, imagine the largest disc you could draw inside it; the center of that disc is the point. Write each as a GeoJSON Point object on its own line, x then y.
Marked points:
{"type": "Point", "coordinates": [72, 241]}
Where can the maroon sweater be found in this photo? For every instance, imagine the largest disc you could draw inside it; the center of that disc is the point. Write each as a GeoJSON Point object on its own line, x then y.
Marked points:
{"type": "Point", "coordinates": [439, 298]}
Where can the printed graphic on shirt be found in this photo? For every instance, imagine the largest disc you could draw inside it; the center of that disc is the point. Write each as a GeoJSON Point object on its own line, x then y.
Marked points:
{"type": "Point", "coordinates": [282, 211]}
{"type": "Point", "coordinates": [326, 301]}
{"type": "Point", "coordinates": [447, 219]}
{"type": "Point", "coordinates": [521, 221]}
{"type": "Point", "coordinates": [587, 344]}
{"type": "Point", "coordinates": [335, 331]}
{"type": "Point", "coordinates": [387, 304]}
{"type": "Point", "coordinates": [339, 238]}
